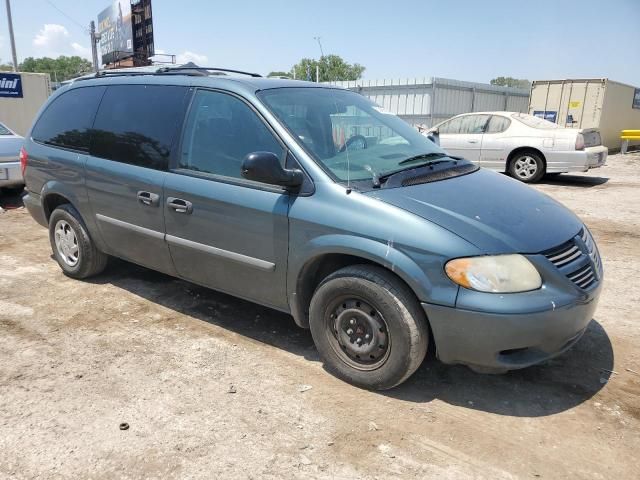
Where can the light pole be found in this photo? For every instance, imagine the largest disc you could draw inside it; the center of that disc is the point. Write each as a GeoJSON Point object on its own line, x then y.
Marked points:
{"type": "Point", "coordinates": [95, 38]}
{"type": "Point", "coordinates": [13, 42]}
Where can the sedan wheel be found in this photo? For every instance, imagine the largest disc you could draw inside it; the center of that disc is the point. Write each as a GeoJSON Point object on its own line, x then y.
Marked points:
{"type": "Point", "coordinates": [527, 167]}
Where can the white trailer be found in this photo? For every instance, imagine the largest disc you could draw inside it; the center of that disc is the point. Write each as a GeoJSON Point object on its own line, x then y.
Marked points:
{"type": "Point", "coordinates": [588, 103]}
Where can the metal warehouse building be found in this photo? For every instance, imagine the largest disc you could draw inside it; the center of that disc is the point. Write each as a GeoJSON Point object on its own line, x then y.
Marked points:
{"type": "Point", "coordinates": [427, 101]}
{"type": "Point", "coordinates": [588, 103]}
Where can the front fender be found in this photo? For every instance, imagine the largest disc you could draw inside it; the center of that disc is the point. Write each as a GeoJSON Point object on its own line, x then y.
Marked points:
{"type": "Point", "coordinates": [387, 254]}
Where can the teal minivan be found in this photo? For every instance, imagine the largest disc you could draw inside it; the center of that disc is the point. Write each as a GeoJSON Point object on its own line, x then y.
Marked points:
{"type": "Point", "coordinates": [314, 201]}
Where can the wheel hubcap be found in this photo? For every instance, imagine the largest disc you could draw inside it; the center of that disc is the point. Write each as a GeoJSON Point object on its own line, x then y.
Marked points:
{"type": "Point", "coordinates": [526, 167]}
{"type": "Point", "coordinates": [359, 334]}
{"type": "Point", "coordinates": [66, 243]}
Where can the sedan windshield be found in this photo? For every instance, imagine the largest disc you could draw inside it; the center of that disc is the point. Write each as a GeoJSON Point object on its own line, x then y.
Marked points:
{"type": "Point", "coordinates": [349, 135]}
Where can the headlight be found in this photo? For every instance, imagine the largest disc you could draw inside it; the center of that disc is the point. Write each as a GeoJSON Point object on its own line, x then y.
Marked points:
{"type": "Point", "coordinates": [495, 274]}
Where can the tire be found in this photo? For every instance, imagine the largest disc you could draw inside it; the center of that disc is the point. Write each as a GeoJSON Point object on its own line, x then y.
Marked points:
{"type": "Point", "coordinates": [380, 306]}
{"type": "Point", "coordinates": [72, 246]}
{"type": "Point", "coordinates": [527, 166]}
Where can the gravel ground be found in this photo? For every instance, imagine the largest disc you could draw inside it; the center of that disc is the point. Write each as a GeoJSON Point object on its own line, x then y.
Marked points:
{"type": "Point", "coordinates": [215, 387]}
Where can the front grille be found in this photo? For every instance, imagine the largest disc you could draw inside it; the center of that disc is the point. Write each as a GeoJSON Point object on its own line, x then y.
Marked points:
{"type": "Point", "coordinates": [578, 260]}
{"type": "Point", "coordinates": [583, 277]}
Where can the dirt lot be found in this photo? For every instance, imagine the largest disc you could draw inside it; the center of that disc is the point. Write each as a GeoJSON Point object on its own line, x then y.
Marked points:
{"type": "Point", "coordinates": [77, 359]}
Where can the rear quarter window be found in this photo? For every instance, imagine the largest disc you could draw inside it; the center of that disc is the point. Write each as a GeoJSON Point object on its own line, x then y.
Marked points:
{"type": "Point", "coordinates": [66, 122]}
{"type": "Point", "coordinates": [137, 124]}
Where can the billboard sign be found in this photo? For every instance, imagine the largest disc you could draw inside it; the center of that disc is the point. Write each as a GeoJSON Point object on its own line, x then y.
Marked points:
{"type": "Point", "coordinates": [116, 35]}
{"type": "Point", "coordinates": [636, 98]}
{"type": "Point", "coordinates": [10, 85]}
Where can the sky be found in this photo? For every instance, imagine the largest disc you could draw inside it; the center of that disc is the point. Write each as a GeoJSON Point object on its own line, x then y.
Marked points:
{"type": "Point", "coordinates": [472, 40]}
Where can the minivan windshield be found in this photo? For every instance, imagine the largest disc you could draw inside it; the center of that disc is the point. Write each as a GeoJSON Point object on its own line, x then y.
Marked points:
{"type": "Point", "coordinates": [349, 135]}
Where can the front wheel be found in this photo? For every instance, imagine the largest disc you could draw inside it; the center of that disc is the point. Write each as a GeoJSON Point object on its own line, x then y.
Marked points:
{"type": "Point", "coordinates": [368, 327]}
{"type": "Point", "coordinates": [527, 167]}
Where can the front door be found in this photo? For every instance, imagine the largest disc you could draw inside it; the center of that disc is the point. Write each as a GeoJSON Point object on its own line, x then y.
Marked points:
{"type": "Point", "coordinates": [462, 136]}
{"type": "Point", "coordinates": [223, 231]}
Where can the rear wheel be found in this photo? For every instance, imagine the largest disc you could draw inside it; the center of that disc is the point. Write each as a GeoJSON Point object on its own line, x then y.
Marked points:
{"type": "Point", "coordinates": [527, 166]}
{"type": "Point", "coordinates": [72, 246]}
{"type": "Point", "coordinates": [368, 327]}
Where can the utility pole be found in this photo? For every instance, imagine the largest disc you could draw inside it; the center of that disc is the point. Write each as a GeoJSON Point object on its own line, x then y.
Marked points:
{"type": "Point", "coordinates": [13, 41]}
{"type": "Point", "coordinates": [317, 39]}
{"type": "Point", "coordinates": [94, 45]}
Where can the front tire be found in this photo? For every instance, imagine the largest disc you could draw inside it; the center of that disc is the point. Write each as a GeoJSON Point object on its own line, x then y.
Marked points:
{"type": "Point", "coordinates": [72, 246]}
{"type": "Point", "coordinates": [527, 166]}
{"type": "Point", "coordinates": [368, 327]}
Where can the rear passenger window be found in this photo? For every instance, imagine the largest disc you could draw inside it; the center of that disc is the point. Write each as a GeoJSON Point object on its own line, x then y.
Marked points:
{"type": "Point", "coordinates": [136, 124]}
{"type": "Point", "coordinates": [220, 131]}
{"type": "Point", "coordinates": [66, 121]}
{"type": "Point", "coordinates": [498, 124]}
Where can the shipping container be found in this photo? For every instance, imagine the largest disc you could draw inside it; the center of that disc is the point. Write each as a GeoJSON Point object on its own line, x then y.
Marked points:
{"type": "Point", "coordinates": [430, 100]}
{"type": "Point", "coordinates": [588, 103]}
{"type": "Point", "coordinates": [21, 96]}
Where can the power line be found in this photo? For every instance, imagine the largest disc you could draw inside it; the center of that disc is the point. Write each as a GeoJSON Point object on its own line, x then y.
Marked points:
{"type": "Point", "coordinates": [86, 31]}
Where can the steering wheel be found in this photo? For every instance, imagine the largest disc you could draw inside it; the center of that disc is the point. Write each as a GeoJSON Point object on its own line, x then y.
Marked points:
{"type": "Point", "coordinates": [358, 142]}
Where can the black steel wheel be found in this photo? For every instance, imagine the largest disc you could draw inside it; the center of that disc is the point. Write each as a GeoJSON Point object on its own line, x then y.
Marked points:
{"type": "Point", "coordinates": [358, 333]}
{"type": "Point", "coordinates": [368, 327]}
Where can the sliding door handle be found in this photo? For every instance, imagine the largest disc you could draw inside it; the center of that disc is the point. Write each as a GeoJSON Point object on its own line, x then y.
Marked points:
{"type": "Point", "coordinates": [179, 205]}
{"type": "Point", "coordinates": [148, 198]}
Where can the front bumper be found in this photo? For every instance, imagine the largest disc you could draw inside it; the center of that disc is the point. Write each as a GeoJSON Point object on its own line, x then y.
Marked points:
{"type": "Point", "coordinates": [502, 341]}
{"type": "Point", "coordinates": [10, 174]}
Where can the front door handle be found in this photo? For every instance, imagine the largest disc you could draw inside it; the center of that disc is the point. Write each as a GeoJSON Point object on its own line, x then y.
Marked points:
{"type": "Point", "coordinates": [472, 141]}
{"type": "Point", "coordinates": [179, 205]}
{"type": "Point", "coordinates": [148, 198]}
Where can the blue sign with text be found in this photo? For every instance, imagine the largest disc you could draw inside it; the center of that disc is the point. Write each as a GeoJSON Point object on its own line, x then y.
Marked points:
{"type": "Point", "coordinates": [546, 115]}
{"type": "Point", "coordinates": [10, 85]}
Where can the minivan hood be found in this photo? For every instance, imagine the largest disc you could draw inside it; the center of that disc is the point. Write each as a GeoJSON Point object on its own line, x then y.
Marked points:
{"type": "Point", "coordinates": [492, 211]}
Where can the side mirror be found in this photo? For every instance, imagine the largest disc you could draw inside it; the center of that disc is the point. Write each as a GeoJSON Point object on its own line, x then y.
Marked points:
{"type": "Point", "coordinates": [434, 136]}
{"type": "Point", "coordinates": [265, 167]}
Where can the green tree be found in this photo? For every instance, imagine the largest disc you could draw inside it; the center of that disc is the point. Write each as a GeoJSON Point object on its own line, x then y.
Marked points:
{"type": "Point", "coordinates": [332, 67]}
{"type": "Point", "coordinates": [5, 67]}
{"type": "Point", "coordinates": [60, 69]}
{"type": "Point", "coordinates": [511, 82]}
{"type": "Point", "coordinates": [279, 74]}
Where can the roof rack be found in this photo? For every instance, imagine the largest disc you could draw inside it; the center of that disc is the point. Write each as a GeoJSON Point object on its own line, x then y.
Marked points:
{"type": "Point", "coordinates": [186, 69]}
{"type": "Point", "coordinates": [192, 66]}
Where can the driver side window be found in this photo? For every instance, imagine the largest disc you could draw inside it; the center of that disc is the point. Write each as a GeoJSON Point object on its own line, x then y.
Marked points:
{"type": "Point", "coordinates": [452, 126]}
{"type": "Point", "coordinates": [220, 131]}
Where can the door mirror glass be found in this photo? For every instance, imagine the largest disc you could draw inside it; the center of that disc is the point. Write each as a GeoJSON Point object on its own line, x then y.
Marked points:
{"type": "Point", "coordinates": [265, 167]}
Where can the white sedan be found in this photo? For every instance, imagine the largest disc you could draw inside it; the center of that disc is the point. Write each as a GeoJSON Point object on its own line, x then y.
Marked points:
{"type": "Point", "coordinates": [525, 146]}
{"type": "Point", "coordinates": [10, 171]}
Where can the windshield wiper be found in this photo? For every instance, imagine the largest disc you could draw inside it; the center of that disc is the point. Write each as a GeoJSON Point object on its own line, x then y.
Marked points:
{"type": "Point", "coordinates": [379, 179]}
{"type": "Point", "coordinates": [423, 156]}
